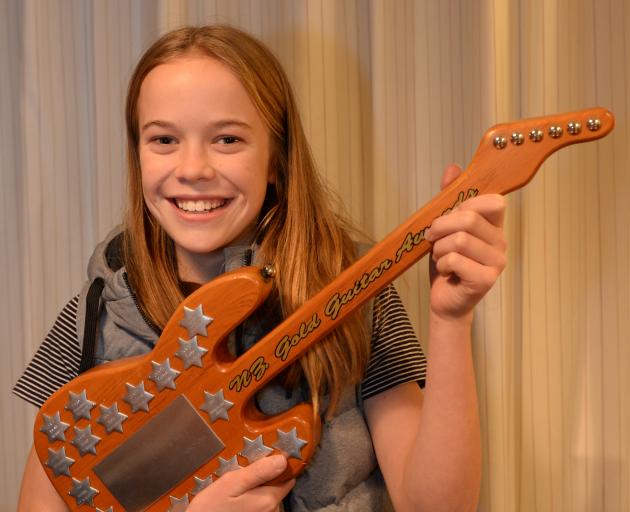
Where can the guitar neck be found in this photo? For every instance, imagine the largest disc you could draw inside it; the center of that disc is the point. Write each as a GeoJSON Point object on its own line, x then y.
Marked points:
{"type": "Point", "coordinates": [508, 157]}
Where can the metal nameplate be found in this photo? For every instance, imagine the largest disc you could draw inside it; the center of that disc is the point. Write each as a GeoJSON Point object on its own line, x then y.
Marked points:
{"type": "Point", "coordinates": [160, 455]}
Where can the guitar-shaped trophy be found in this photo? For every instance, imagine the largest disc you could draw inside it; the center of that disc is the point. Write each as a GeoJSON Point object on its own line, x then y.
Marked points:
{"type": "Point", "coordinates": [148, 433]}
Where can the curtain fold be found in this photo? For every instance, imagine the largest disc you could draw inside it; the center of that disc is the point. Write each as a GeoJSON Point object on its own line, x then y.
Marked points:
{"type": "Point", "coordinates": [15, 431]}
{"type": "Point", "coordinates": [391, 92]}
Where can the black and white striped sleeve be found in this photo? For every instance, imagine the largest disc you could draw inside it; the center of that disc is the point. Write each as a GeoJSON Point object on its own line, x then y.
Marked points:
{"type": "Point", "coordinates": [397, 356]}
{"type": "Point", "coordinates": [56, 361]}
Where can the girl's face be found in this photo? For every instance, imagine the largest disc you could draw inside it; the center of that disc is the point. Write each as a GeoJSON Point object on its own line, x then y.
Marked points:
{"type": "Point", "coordinates": [204, 154]}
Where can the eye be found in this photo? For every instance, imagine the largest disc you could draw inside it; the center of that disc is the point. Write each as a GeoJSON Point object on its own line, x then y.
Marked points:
{"type": "Point", "coordinates": [228, 139]}
{"type": "Point", "coordinates": [164, 140]}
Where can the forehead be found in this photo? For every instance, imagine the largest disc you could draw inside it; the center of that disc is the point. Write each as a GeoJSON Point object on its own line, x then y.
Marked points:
{"type": "Point", "coordinates": [193, 84]}
{"type": "Point", "coordinates": [189, 66]}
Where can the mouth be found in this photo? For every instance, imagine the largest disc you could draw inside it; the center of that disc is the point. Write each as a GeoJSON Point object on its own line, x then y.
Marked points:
{"type": "Point", "coordinates": [199, 206]}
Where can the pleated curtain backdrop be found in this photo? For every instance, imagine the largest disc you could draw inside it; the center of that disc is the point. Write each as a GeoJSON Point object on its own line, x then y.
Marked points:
{"type": "Point", "coordinates": [391, 92]}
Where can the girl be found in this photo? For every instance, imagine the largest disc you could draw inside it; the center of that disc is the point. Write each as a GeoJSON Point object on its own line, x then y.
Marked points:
{"type": "Point", "coordinates": [220, 175]}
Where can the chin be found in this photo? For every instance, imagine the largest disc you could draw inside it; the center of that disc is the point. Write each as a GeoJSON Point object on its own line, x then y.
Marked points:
{"type": "Point", "coordinates": [200, 246]}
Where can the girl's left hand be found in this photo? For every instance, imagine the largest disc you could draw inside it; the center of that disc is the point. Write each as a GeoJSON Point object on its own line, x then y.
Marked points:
{"type": "Point", "coordinates": [468, 253]}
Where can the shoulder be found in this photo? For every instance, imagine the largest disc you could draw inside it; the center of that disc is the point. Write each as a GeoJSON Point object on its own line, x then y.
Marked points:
{"type": "Point", "coordinates": [107, 255]}
{"type": "Point", "coordinates": [396, 355]}
{"type": "Point", "coordinates": [110, 300]}
{"type": "Point", "coordinates": [56, 361]}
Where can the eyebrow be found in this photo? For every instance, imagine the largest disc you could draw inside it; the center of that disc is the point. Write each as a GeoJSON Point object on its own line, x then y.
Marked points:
{"type": "Point", "coordinates": [223, 123]}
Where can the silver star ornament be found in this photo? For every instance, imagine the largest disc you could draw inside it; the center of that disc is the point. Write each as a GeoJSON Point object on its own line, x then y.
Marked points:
{"type": "Point", "coordinates": [178, 504]}
{"type": "Point", "coordinates": [137, 397]}
{"type": "Point", "coordinates": [111, 419]}
{"type": "Point", "coordinates": [79, 405]}
{"type": "Point", "coordinates": [84, 440]}
{"type": "Point", "coordinates": [227, 465]}
{"type": "Point", "coordinates": [201, 484]}
{"type": "Point", "coordinates": [195, 321]}
{"type": "Point", "coordinates": [289, 443]}
{"type": "Point", "coordinates": [216, 405]}
{"type": "Point", "coordinates": [254, 449]}
{"type": "Point", "coordinates": [82, 491]}
{"type": "Point", "coordinates": [163, 375]}
{"type": "Point", "coordinates": [190, 352]}
{"type": "Point", "coordinates": [54, 428]}
{"type": "Point", "coordinates": [59, 462]}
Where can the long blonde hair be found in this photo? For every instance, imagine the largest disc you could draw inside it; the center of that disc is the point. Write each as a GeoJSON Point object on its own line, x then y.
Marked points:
{"type": "Point", "coordinates": [301, 230]}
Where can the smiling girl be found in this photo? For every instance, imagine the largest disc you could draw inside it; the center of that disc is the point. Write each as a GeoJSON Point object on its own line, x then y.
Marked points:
{"type": "Point", "coordinates": [220, 176]}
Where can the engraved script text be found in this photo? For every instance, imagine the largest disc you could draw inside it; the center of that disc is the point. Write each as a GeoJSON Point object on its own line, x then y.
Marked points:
{"type": "Point", "coordinates": [414, 239]}
{"type": "Point", "coordinates": [287, 343]}
{"type": "Point", "coordinates": [256, 370]}
{"type": "Point", "coordinates": [337, 301]}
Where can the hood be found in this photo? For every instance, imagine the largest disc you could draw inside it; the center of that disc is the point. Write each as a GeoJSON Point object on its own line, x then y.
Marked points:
{"type": "Point", "coordinates": [120, 316]}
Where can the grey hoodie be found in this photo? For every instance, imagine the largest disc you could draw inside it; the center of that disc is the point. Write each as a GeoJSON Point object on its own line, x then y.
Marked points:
{"type": "Point", "coordinates": [343, 475]}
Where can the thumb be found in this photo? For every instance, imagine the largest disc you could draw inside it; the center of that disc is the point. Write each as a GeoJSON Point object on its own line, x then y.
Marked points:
{"type": "Point", "coordinates": [257, 473]}
{"type": "Point", "coordinates": [450, 173]}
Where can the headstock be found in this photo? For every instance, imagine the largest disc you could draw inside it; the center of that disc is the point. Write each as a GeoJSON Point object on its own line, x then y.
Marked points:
{"type": "Point", "coordinates": [510, 154]}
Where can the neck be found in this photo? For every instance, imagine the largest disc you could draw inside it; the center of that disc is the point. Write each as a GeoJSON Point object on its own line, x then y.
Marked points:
{"type": "Point", "coordinates": [202, 267]}
{"type": "Point", "coordinates": [199, 268]}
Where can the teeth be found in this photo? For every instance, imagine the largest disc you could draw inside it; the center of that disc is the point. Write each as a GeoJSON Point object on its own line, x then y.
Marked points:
{"type": "Point", "coordinates": [199, 206]}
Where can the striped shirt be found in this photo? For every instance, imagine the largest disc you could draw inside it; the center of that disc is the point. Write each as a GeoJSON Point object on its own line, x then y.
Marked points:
{"type": "Point", "coordinates": [396, 355]}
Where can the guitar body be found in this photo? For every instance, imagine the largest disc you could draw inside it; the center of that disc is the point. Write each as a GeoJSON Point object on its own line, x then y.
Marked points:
{"type": "Point", "coordinates": [152, 431]}
{"type": "Point", "coordinates": [175, 424]}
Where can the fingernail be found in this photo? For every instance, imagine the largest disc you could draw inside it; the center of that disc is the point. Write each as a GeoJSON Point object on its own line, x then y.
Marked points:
{"type": "Point", "coordinates": [279, 462]}
{"type": "Point", "coordinates": [427, 235]}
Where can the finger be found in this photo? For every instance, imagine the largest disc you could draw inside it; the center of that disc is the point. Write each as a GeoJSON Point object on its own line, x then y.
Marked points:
{"type": "Point", "coordinates": [476, 277]}
{"type": "Point", "coordinates": [468, 221]}
{"type": "Point", "coordinates": [451, 172]}
{"type": "Point", "coordinates": [255, 475]}
{"type": "Point", "coordinates": [489, 206]}
{"type": "Point", "coordinates": [471, 247]}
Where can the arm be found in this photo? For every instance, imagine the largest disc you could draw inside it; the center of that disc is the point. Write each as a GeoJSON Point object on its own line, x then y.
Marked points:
{"type": "Point", "coordinates": [428, 445]}
{"type": "Point", "coordinates": [240, 490]}
{"type": "Point", "coordinates": [37, 494]}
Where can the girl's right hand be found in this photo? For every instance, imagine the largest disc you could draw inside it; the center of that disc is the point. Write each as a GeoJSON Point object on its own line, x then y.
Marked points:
{"type": "Point", "coordinates": [244, 490]}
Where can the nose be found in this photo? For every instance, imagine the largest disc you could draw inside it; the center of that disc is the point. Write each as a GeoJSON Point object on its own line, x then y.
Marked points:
{"type": "Point", "coordinates": [195, 164]}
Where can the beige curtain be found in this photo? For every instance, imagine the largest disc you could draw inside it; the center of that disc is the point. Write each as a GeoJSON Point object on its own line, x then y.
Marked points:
{"type": "Point", "coordinates": [391, 92]}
